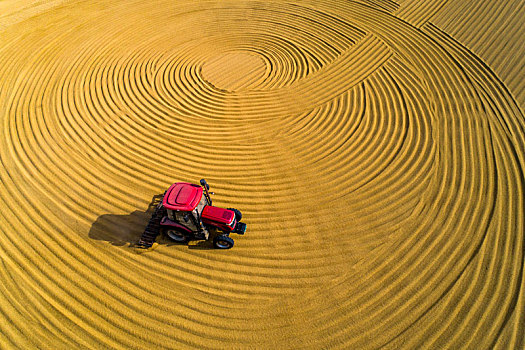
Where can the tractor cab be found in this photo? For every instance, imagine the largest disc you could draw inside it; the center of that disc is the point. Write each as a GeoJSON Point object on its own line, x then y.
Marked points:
{"type": "Point", "coordinates": [190, 215]}
{"type": "Point", "coordinates": [184, 203]}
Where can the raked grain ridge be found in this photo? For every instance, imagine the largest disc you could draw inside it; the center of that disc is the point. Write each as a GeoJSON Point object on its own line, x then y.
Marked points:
{"type": "Point", "coordinates": [376, 149]}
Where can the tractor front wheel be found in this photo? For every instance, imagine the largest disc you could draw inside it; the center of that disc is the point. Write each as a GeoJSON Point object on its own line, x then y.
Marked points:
{"type": "Point", "coordinates": [176, 235]}
{"type": "Point", "coordinates": [222, 242]}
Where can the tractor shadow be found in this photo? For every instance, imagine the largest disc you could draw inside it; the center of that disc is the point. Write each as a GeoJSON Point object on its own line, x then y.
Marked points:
{"type": "Point", "coordinates": [121, 230]}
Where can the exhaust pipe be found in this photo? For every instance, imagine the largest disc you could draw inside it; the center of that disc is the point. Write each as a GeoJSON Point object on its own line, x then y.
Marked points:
{"type": "Point", "coordinates": [206, 187]}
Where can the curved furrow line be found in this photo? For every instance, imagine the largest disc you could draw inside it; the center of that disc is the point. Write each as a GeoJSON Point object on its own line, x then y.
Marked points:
{"type": "Point", "coordinates": [297, 22]}
{"type": "Point", "coordinates": [40, 249]}
{"type": "Point", "coordinates": [74, 125]}
{"type": "Point", "coordinates": [345, 156]}
{"type": "Point", "coordinates": [483, 290]}
{"type": "Point", "coordinates": [35, 162]}
{"type": "Point", "coordinates": [272, 102]}
{"type": "Point", "coordinates": [418, 13]}
{"type": "Point", "coordinates": [507, 129]}
{"type": "Point", "coordinates": [488, 29]}
{"type": "Point", "coordinates": [37, 280]}
{"type": "Point", "coordinates": [378, 164]}
{"type": "Point", "coordinates": [384, 5]}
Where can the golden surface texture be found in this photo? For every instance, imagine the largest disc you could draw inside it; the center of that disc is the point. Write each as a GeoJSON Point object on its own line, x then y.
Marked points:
{"type": "Point", "coordinates": [375, 148]}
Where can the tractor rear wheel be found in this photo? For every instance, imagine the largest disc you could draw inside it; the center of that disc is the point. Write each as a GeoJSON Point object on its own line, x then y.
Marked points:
{"type": "Point", "coordinates": [176, 235]}
{"type": "Point", "coordinates": [222, 242]}
{"type": "Point", "coordinates": [238, 214]}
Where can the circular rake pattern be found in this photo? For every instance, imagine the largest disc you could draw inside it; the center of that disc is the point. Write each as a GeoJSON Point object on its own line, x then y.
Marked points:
{"type": "Point", "coordinates": [378, 164]}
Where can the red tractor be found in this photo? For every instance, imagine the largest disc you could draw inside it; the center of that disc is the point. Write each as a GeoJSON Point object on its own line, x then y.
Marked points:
{"type": "Point", "coordinates": [186, 213]}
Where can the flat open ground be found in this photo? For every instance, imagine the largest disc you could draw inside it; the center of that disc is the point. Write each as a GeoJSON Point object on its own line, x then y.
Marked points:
{"type": "Point", "coordinates": [375, 147]}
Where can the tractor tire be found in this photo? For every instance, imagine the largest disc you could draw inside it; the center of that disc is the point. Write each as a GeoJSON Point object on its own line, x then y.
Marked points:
{"type": "Point", "coordinates": [222, 242]}
{"type": "Point", "coordinates": [238, 214]}
{"type": "Point", "coordinates": [176, 235]}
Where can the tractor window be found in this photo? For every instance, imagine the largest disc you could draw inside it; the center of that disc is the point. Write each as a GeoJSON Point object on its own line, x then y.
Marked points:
{"type": "Point", "coordinates": [184, 218]}
{"type": "Point", "coordinates": [200, 206]}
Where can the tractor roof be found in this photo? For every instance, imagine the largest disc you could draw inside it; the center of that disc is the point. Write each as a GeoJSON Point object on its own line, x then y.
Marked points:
{"type": "Point", "coordinates": [182, 196]}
